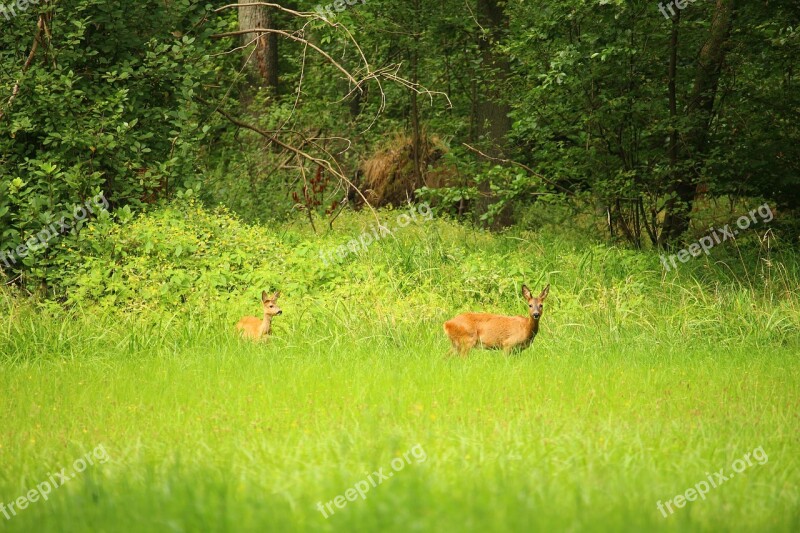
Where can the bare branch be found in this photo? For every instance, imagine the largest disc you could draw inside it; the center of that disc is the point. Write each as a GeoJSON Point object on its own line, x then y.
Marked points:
{"type": "Point", "coordinates": [388, 72]}
{"type": "Point", "coordinates": [288, 35]}
{"type": "Point", "coordinates": [274, 139]}
{"type": "Point", "coordinates": [357, 78]}
{"type": "Point", "coordinates": [302, 14]}
{"type": "Point", "coordinates": [39, 27]}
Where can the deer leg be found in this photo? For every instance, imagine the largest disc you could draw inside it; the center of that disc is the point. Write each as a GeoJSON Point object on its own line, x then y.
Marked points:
{"type": "Point", "coordinates": [453, 348]}
{"type": "Point", "coordinates": [467, 345]}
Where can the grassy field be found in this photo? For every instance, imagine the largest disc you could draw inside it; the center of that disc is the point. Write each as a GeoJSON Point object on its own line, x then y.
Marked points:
{"type": "Point", "coordinates": [639, 386]}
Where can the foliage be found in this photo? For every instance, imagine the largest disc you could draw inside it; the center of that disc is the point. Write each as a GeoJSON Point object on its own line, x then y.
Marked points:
{"type": "Point", "coordinates": [183, 257]}
{"type": "Point", "coordinates": [591, 106]}
{"type": "Point", "coordinates": [98, 114]}
{"type": "Point", "coordinates": [109, 104]}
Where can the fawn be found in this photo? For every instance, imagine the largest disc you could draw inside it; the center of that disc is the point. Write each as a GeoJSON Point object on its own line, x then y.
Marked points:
{"type": "Point", "coordinates": [497, 331]}
{"type": "Point", "coordinates": [256, 328]}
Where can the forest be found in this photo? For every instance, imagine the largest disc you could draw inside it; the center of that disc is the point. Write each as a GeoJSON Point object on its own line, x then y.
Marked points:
{"type": "Point", "coordinates": [359, 265]}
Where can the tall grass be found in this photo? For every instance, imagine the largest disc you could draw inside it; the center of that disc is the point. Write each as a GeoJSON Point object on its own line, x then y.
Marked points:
{"type": "Point", "coordinates": [639, 384]}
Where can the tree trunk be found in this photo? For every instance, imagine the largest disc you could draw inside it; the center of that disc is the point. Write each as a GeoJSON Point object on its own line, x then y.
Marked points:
{"type": "Point", "coordinates": [491, 121]}
{"type": "Point", "coordinates": [265, 59]}
{"type": "Point", "coordinates": [699, 110]}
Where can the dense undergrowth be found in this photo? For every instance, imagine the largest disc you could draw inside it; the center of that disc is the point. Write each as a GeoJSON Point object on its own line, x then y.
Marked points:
{"type": "Point", "coordinates": [640, 382]}
{"type": "Point", "coordinates": [185, 267]}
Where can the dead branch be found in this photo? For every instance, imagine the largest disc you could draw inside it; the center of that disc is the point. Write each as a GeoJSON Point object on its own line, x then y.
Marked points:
{"type": "Point", "coordinates": [357, 78]}
{"type": "Point", "coordinates": [388, 72]}
{"type": "Point", "coordinates": [288, 35]}
{"type": "Point", "coordinates": [304, 155]}
{"type": "Point", "coordinates": [39, 26]}
{"type": "Point", "coordinates": [302, 14]}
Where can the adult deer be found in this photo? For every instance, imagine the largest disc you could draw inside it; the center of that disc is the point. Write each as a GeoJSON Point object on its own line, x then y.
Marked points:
{"type": "Point", "coordinates": [497, 331]}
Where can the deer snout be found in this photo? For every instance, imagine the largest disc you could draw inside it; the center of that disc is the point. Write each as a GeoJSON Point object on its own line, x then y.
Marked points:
{"type": "Point", "coordinates": [280, 312]}
{"type": "Point", "coordinates": [537, 315]}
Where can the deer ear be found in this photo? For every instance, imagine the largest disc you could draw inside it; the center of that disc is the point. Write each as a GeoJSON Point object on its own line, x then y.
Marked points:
{"type": "Point", "coordinates": [526, 292]}
{"type": "Point", "coordinates": [545, 292]}
{"type": "Point", "coordinates": [264, 297]}
{"type": "Point", "coordinates": [275, 296]}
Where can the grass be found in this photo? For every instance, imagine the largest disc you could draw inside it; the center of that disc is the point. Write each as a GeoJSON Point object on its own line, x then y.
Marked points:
{"type": "Point", "coordinates": [638, 387]}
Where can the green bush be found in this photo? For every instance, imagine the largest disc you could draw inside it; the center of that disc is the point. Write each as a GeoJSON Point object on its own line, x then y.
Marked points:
{"type": "Point", "coordinates": [185, 258]}
{"type": "Point", "coordinates": [106, 105]}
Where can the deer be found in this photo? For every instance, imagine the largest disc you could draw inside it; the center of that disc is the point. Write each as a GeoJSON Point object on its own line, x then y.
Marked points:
{"type": "Point", "coordinates": [255, 328]}
{"type": "Point", "coordinates": [497, 331]}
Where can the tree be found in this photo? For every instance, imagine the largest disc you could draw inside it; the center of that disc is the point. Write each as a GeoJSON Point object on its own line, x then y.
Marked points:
{"type": "Point", "coordinates": [265, 55]}
{"type": "Point", "coordinates": [699, 113]}
{"type": "Point", "coordinates": [491, 120]}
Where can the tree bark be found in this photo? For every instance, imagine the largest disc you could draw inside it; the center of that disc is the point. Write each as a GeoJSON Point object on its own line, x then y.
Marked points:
{"type": "Point", "coordinates": [265, 71]}
{"type": "Point", "coordinates": [491, 121]}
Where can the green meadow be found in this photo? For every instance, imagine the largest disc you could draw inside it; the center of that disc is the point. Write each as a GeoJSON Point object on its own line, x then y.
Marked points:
{"type": "Point", "coordinates": [641, 384]}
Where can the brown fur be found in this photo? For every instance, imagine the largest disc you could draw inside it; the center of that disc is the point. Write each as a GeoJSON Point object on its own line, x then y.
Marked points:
{"type": "Point", "coordinates": [256, 328]}
{"type": "Point", "coordinates": [497, 331]}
